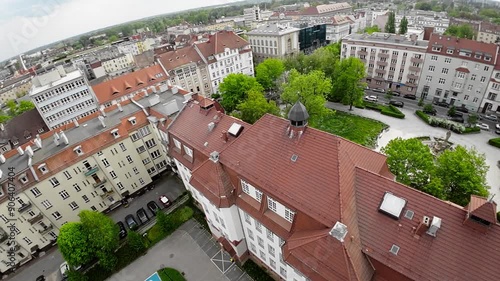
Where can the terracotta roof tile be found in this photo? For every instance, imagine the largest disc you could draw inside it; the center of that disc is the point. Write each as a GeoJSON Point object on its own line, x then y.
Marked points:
{"type": "Point", "coordinates": [474, 47]}
{"type": "Point", "coordinates": [138, 80]}
{"type": "Point", "coordinates": [220, 40]}
{"type": "Point", "coordinates": [483, 208]}
{"type": "Point", "coordinates": [180, 57]}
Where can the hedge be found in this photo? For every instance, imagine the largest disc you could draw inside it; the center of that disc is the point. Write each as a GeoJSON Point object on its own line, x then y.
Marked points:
{"type": "Point", "coordinates": [447, 124]}
{"type": "Point", "coordinates": [423, 116]}
{"type": "Point", "coordinates": [170, 274]}
{"type": "Point", "coordinates": [495, 142]}
{"type": "Point", "coordinates": [392, 111]}
{"type": "Point", "coordinates": [372, 105]}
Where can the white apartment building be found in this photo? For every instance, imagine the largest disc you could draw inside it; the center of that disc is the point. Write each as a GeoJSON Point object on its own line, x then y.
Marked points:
{"type": "Point", "coordinates": [337, 29]}
{"type": "Point", "coordinates": [418, 21]}
{"type": "Point", "coordinates": [457, 71]}
{"type": "Point", "coordinates": [225, 53]}
{"type": "Point", "coordinates": [392, 61]}
{"type": "Point", "coordinates": [118, 65]}
{"type": "Point", "coordinates": [61, 97]}
{"type": "Point", "coordinates": [274, 41]}
{"type": "Point", "coordinates": [252, 15]}
{"type": "Point", "coordinates": [488, 32]}
{"type": "Point", "coordinates": [491, 99]}
{"type": "Point", "coordinates": [130, 47]}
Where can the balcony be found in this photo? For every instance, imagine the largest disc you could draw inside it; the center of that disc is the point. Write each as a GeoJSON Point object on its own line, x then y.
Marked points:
{"type": "Point", "coordinates": [417, 60]}
{"type": "Point", "coordinates": [36, 218]}
{"type": "Point", "coordinates": [92, 171]}
{"type": "Point", "coordinates": [414, 68]}
{"type": "Point", "coordinates": [46, 229]}
{"type": "Point", "coordinates": [410, 84]}
{"type": "Point", "coordinates": [361, 53]}
{"type": "Point", "coordinates": [97, 184]}
{"type": "Point", "coordinates": [24, 207]}
{"type": "Point", "coordinates": [412, 76]}
{"type": "Point", "coordinates": [381, 71]}
{"type": "Point", "coordinates": [382, 55]}
{"type": "Point", "coordinates": [382, 63]}
{"type": "Point", "coordinates": [106, 194]}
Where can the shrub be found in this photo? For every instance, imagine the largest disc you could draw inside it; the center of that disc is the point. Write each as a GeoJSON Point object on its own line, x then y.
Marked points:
{"type": "Point", "coordinates": [136, 242]}
{"type": "Point", "coordinates": [498, 216]}
{"type": "Point", "coordinates": [495, 142]}
{"type": "Point", "coordinates": [155, 234]}
{"type": "Point", "coordinates": [372, 105]}
{"type": "Point", "coordinates": [422, 116]}
{"type": "Point", "coordinates": [170, 274]}
{"type": "Point", "coordinates": [469, 130]}
{"type": "Point", "coordinates": [74, 275]}
{"type": "Point", "coordinates": [256, 272]}
{"type": "Point", "coordinates": [393, 112]}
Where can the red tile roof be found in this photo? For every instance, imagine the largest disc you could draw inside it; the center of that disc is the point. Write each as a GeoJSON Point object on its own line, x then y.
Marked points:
{"type": "Point", "coordinates": [213, 181]}
{"type": "Point", "coordinates": [129, 83]}
{"type": "Point", "coordinates": [219, 41]}
{"type": "Point", "coordinates": [458, 252]}
{"type": "Point", "coordinates": [172, 60]}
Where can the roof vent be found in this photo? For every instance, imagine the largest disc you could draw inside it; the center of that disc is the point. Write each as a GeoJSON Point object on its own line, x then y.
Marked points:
{"type": "Point", "coordinates": [211, 126]}
{"type": "Point", "coordinates": [392, 205]}
{"type": "Point", "coordinates": [394, 249]}
{"type": "Point", "coordinates": [214, 156]}
{"type": "Point", "coordinates": [235, 129]}
{"type": "Point", "coordinates": [339, 231]}
{"type": "Point", "coordinates": [294, 158]}
{"type": "Point", "coordinates": [115, 133]}
{"type": "Point", "coordinates": [78, 150]}
{"type": "Point", "coordinates": [435, 225]}
{"type": "Point", "coordinates": [409, 214]}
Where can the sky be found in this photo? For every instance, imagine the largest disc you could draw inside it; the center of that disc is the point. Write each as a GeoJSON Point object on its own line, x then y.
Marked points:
{"type": "Point", "coordinates": [28, 24]}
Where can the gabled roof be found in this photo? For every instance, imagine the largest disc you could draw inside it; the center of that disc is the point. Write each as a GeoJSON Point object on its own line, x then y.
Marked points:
{"type": "Point", "coordinates": [219, 41]}
{"type": "Point", "coordinates": [180, 57]}
{"type": "Point", "coordinates": [22, 126]}
{"type": "Point", "coordinates": [326, 8]}
{"type": "Point", "coordinates": [458, 252]}
{"type": "Point", "coordinates": [138, 80]}
{"type": "Point", "coordinates": [461, 44]}
{"type": "Point", "coordinates": [483, 208]}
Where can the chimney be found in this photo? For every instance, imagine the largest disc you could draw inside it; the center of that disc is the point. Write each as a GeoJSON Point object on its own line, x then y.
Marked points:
{"type": "Point", "coordinates": [102, 111]}
{"type": "Point", "coordinates": [2, 159]}
{"type": "Point", "coordinates": [20, 150]}
{"type": "Point", "coordinates": [214, 156]}
{"type": "Point", "coordinates": [29, 151]}
{"type": "Point", "coordinates": [76, 123]}
{"type": "Point", "coordinates": [56, 136]}
{"type": "Point", "coordinates": [102, 121]}
{"type": "Point", "coordinates": [211, 126]}
{"type": "Point", "coordinates": [64, 138]}
{"type": "Point", "coordinates": [224, 136]}
{"type": "Point", "coordinates": [119, 107]}
{"type": "Point", "coordinates": [422, 226]}
{"type": "Point", "coordinates": [39, 138]}
{"type": "Point", "coordinates": [38, 143]}
{"type": "Point", "coordinates": [56, 139]}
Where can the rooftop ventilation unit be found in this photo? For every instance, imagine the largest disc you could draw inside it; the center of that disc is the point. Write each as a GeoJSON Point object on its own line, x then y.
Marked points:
{"type": "Point", "coordinates": [392, 205]}
{"type": "Point", "coordinates": [211, 126]}
{"type": "Point", "coordinates": [235, 129]}
{"type": "Point", "coordinates": [434, 227]}
{"type": "Point", "coordinates": [339, 231]}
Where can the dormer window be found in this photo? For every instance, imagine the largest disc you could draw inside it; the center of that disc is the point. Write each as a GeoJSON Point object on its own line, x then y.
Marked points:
{"type": "Point", "coordinates": [188, 151]}
{"type": "Point", "coordinates": [43, 168]}
{"type": "Point", "coordinates": [436, 48]}
{"type": "Point", "coordinates": [15, 142]}
{"type": "Point", "coordinates": [132, 120]}
{"type": "Point", "coordinates": [23, 178]}
{"type": "Point", "coordinates": [41, 130]}
{"type": "Point", "coordinates": [78, 150]}
{"type": "Point", "coordinates": [177, 144]}
{"type": "Point", "coordinates": [115, 133]}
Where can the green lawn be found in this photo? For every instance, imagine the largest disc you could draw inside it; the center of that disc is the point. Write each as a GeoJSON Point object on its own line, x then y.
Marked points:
{"type": "Point", "coordinates": [352, 127]}
{"type": "Point", "coordinates": [170, 274]}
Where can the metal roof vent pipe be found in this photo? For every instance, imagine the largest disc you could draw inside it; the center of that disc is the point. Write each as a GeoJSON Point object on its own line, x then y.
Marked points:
{"type": "Point", "coordinates": [64, 138]}
{"type": "Point", "coordinates": [20, 151]}
{"type": "Point", "coordinates": [102, 121]}
{"type": "Point", "coordinates": [119, 107]}
{"type": "Point", "coordinates": [29, 151]}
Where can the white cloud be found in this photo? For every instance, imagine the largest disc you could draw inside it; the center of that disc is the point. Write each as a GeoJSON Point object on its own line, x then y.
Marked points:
{"type": "Point", "coordinates": [54, 21]}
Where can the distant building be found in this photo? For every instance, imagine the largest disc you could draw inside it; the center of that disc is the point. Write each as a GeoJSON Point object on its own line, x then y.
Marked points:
{"type": "Point", "coordinates": [10, 89]}
{"type": "Point", "coordinates": [312, 37]}
{"type": "Point", "coordinates": [489, 33]}
{"type": "Point", "coordinates": [62, 97]}
{"type": "Point", "coordinates": [252, 15]}
{"type": "Point", "coordinates": [491, 99]}
{"type": "Point", "coordinates": [328, 10]}
{"type": "Point", "coordinates": [338, 29]}
{"type": "Point", "coordinates": [274, 40]}
{"type": "Point", "coordinates": [21, 129]}
{"type": "Point", "coordinates": [119, 65]}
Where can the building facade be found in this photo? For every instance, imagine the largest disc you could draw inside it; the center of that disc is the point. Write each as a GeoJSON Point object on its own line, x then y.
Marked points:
{"type": "Point", "coordinates": [489, 33]}
{"type": "Point", "coordinates": [117, 66]}
{"type": "Point", "coordinates": [61, 97]}
{"type": "Point", "coordinates": [457, 71]}
{"type": "Point", "coordinates": [491, 99]}
{"type": "Point", "coordinates": [13, 89]}
{"type": "Point", "coordinates": [392, 62]}
{"type": "Point", "coordinates": [274, 41]}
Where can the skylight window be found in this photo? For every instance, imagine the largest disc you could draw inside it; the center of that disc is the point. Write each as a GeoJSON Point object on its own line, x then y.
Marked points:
{"type": "Point", "coordinates": [392, 205]}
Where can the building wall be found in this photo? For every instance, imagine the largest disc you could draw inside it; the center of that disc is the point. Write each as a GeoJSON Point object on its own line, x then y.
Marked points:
{"type": "Point", "coordinates": [268, 46]}
{"type": "Point", "coordinates": [119, 64]}
{"type": "Point", "coordinates": [441, 81]}
{"type": "Point", "coordinates": [487, 37]}
{"type": "Point", "coordinates": [230, 61]}
{"type": "Point", "coordinates": [192, 77]}
{"type": "Point", "coordinates": [14, 90]}
{"type": "Point", "coordinates": [491, 99]}
{"type": "Point", "coordinates": [335, 33]}
{"type": "Point", "coordinates": [129, 48]}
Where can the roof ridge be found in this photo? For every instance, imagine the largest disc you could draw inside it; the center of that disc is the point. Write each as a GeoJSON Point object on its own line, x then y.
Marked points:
{"type": "Point", "coordinates": [314, 235]}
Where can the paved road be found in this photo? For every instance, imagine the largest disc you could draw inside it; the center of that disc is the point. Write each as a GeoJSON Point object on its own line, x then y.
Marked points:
{"type": "Point", "coordinates": [412, 126]}
{"type": "Point", "coordinates": [49, 264]}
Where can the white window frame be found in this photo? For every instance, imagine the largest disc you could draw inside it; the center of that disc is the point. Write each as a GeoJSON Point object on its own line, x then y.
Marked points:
{"type": "Point", "coordinates": [177, 144]}
{"type": "Point", "coordinates": [188, 151]}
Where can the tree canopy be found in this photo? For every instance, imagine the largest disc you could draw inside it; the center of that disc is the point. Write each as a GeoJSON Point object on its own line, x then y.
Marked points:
{"type": "Point", "coordinates": [255, 106]}
{"type": "Point", "coordinates": [234, 89]}
{"type": "Point", "coordinates": [73, 242]}
{"type": "Point", "coordinates": [268, 71]}
{"type": "Point", "coordinates": [390, 25]}
{"type": "Point", "coordinates": [322, 59]}
{"type": "Point", "coordinates": [371, 29]}
{"type": "Point", "coordinates": [460, 31]}
{"type": "Point", "coordinates": [311, 89]}
{"type": "Point", "coordinates": [403, 25]}
{"type": "Point", "coordinates": [347, 86]}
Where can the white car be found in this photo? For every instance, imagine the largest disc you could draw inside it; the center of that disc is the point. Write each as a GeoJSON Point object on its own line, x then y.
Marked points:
{"type": "Point", "coordinates": [491, 117]}
{"type": "Point", "coordinates": [371, 98]}
{"type": "Point", "coordinates": [483, 126]}
{"type": "Point", "coordinates": [64, 269]}
{"type": "Point", "coordinates": [497, 126]}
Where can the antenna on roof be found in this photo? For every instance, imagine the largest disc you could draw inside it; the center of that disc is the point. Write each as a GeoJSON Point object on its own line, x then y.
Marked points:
{"type": "Point", "coordinates": [491, 199]}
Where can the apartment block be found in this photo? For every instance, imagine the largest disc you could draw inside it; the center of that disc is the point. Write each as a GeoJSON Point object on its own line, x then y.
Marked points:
{"type": "Point", "coordinates": [392, 61]}
{"type": "Point", "coordinates": [457, 71]}
{"type": "Point", "coordinates": [89, 165]}
{"type": "Point", "coordinates": [12, 88]}
{"type": "Point", "coordinates": [328, 10]}
{"type": "Point", "coordinates": [274, 41]}
{"type": "Point", "coordinates": [489, 33]}
{"type": "Point", "coordinates": [255, 184]}
{"type": "Point", "coordinates": [118, 65]}
{"type": "Point", "coordinates": [491, 99]}
{"type": "Point", "coordinates": [62, 97]}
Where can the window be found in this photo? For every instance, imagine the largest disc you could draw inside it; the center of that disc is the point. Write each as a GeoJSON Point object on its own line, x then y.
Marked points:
{"type": "Point", "coordinates": [461, 75]}
{"type": "Point", "coordinates": [486, 68]}
{"type": "Point", "coordinates": [272, 263]}
{"type": "Point", "coordinates": [155, 154]}
{"type": "Point", "coordinates": [434, 58]}
{"type": "Point", "coordinates": [150, 143]}
{"type": "Point", "coordinates": [177, 144]}
{"type": "Point", "coordinates": [134, 136]}
{"type": "Point", "coordinates": [431, 68]}
{"type": "Point", "coordinates": [447, 60]}
{"type": "Point", "coordinates": [46, 204]}
{"type": "Point", "coordinates": [122, 146]}
{"type": "Point", "coordinates": [258, 195]}
{"type": "Point", "coordinates": [283, 271]}
{"type": "Point", "coordinates": [252, 248]}
{"type": "Point", "coordinates": [144, 131]}
{"type": "Point", "coordinates": [270, 235]}
{"type": "Point", "coordinates": [56, 215]}
{"type": "Point", "coordinates": [289, 215]}
{"type": "Point", "coordinates": [136, 171]}
{"type": "Point", "coordinates": [77, 187]}
{"type": "Point", "coordinates": [27, 240]}
{"type": "Point", "coordinates": [258, 226]}
{"type": "Point", "coordinates": [466, 97]}
{"type": "Point", "coordinates": [73, 205]}
{"type": "Point", "coordinates": [250, 234]}
{"type": "Point", "coordinates": [475, 100]}
{"type": "Point", "coordinates": [64, 194]}
{"type": "Point", "coordinates": [54, 182]}
{"type": "Point", "coordinates": [141, 181]}
{"type": "Point", "coordinates": [473, 77]}
{"type": "Point", "coordinates": [67, 174]}
{"type": "Point", "coordinates": [113, 174]}
{"type": "Point", "coordinates": [245, 187]}
{"type": "Point", "coordinates": [428, 78]}
{"type": "Point", "coordinates": [141, 149]}
{"type": "Point", "coordinates": [248, 219]}
{"type": "Point", "coordinates": [444, 71]}
{"type": "Point", "coordinates": [262, 255]}
{"type": "Point", "coordinates": [188, 151]}
{"type": "Point", "coordinates": [36, 192]}
{"type": "Point", "coordinates": [271, 204]}
{"type": "Point", "coordinates": [85, 198]}
{"type": "Point", "coordinates": [270, 250]}
{"type": "Point", "coordinates": [469, 87]}
{"type": "Point", "coordinates": [129, 159]}
{"type": "Point", "coordinates": [146, 161]}
{"type": "Point", "coordinates": [442, 80]}
{"type": "Point", "coordinates": [120, 186]}
{"type": "Point", "coordinates": [105, 162]}
{"type": "Point", "coordinates": [483, 79]}
{"type": "Point", "coordinates": [260, 241]}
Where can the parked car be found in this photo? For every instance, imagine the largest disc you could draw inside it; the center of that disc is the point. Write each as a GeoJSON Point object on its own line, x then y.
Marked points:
{"type": "Point", "coordinates": [497, 126]}
{"type": "Point", "coordinates": [153, 207]}
{"type": "Point", "coordinates": [462, 109]}
{"type": "Point", "coordinates": [165, 201]}
{"type": "Point", "coordinates": [458, 119]}
{"type": "Point", "coordinates": [397, 103]}
{"type": "Point", "coordinates": [131, 222]}
{"type": "Point", "coordinates": [143, 217]}
{"type": "Point", "coordinates": [40, 278]}
{"type": "Point", "coordinates": [430, 110]}
{"type": "Point", "coordinates": [497, 131]}
{"type": "Point", "coordinates": [64, 268]}
{"type": "Point", "coordinates": [371, 98]}
{"type": "Point", "coordinates": [442, 104]}
{"type": "Point", "coordinates": [456, 114]}
{"type": "Point", "coordinates": [396, 93]}
{"type": "Point", "coordinates": [123, 232]}
{"type": "Point", "coordinates": [483, 126]}
{"type": "Point", "coordinates": [491, 117]}
{"type": "Point", "coordinates": [411, 97]}
{"type": "Point", "coordinates": [379, 90]}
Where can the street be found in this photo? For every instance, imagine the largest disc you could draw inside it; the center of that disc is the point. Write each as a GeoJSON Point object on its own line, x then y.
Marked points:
{"type": "Point", "coordinates": [48, 265]}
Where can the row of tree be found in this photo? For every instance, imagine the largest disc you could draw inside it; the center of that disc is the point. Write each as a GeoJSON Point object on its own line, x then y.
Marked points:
{"type": "Point", "coordinates": [453, 175]}
{"type": "Point", "coordinates": [390, 25]}
{"type": "Point", "coordinates": [15, 108]}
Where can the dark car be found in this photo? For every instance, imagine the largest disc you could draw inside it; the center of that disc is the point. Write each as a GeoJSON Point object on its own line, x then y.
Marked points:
{"type": "Point", "coordinates": [397, 103]}
{"type": "Point", "coordinates": [456, 114]}
{"type": "Point", "coordinates": [165, 201]}
{"type": "Point", "coordinates": [462, 109]}
{"type": "Point", "coordinates": [153, 207]}
{"type": "Point", "coordinates": [131, 222]}
{"type": "Point", "coordinates": [442, 104]}
{"type": "Point", "coordinates": [143, 217]}
{"type": "Point", "coordinates": [123, 231]}
{"type": "Point", "coordinates": [40, 278]}
{"type": "Point", "coordinates": [430, 111]}
{"type": "Point", "coordinates": [497, 131]}
{"type": "Point", "coordinates": [411, 97]}
{"type": "Point", "coordinates": [457, 119]}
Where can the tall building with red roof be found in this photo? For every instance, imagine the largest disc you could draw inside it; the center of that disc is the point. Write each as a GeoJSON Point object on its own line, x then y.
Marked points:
{"type": "Point", "coordinates": [309, 205]}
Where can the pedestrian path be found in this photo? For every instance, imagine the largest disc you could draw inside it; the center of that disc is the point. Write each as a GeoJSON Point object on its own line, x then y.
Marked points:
{"type": "Point", "coordinates": [211, 247]}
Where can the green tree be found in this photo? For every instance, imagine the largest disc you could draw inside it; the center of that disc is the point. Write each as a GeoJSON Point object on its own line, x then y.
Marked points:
{"type": "Point", "coordinates": [462, 173]}
{"type": "Point", "coordinates": [299, 62]}
{"type": "Point", "coordinates": [268, 71]}
{"type": "Point", "coordinates": [424, 6]}
{"type": "Point", "coordinates": [234, 89]}
{"type": "Point", "coordinates": [113, 38]}
{"type": "Point", "coordinates": [164, 222]}
{"type": "Point", "coordinates": [324, 59]}
{"type": "Point", "coordinates": [390, 26]}
{"type": "Point", "coordinates": [24, 106]}
{"type": "Point", "coordinates": [99, 225]}
{"type": "Point", "coordinates": [74, 275]}
{"type": "Point", "coordinates": [311, 89]}
{"type": "Point", "coordinates": [413, 164]}
{"type": "Point", "coordinates": [452, 111]}
{"type": "Point", "coordinates": [4, 118]}
{"type": "Point", "coordinates": [371, 29]}
{"type": "Point", "coordinates": [73, 242]}
{"type": "Point", "coordinates": [255, 106]}
{"type": "Point", "coordinates": [472, 119]}
{"type": "Point", "coordinates": [460, 31]}
{"type": "Point", "coordinates": [403, 25]}
{"type": "Point", "coordinates": [136, 242]}
{"type": "Point", "coordinates": [347, 86]}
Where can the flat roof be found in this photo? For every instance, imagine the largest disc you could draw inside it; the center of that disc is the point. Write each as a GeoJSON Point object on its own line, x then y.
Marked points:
{"type": "Point", "coordinates": [385, 38]}
{"type": "Point", "coordinates": [69, 76]}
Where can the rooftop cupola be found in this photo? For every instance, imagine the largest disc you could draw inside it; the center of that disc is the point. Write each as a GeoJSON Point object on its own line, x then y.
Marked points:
{"type": "Point", "coordinates": [298, 115]}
